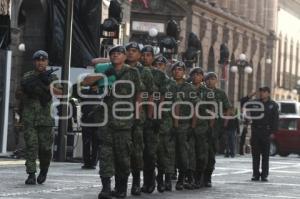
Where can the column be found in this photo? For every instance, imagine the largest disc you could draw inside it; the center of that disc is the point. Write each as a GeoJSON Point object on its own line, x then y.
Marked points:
{"type": "Point", "coordinates": [271, 14]}
{"type": "Point", "coordinates": [234, 6]}
{"type": "Point", "coordinates": [260, 7]}
{"type": "Point", "coordinates": [243, 9]}
{"type": "Point", "coordinates": [252, 10]}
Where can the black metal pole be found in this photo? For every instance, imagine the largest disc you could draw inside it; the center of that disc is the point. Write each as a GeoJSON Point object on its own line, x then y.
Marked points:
{"type": "Point", "coordinates": [63, 123]}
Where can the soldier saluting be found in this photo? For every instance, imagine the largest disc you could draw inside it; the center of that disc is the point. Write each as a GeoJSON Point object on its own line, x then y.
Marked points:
{"type": "Point", "coordinates": [36, 117]}
{"type": "Point", "coordinates": [264, 123]}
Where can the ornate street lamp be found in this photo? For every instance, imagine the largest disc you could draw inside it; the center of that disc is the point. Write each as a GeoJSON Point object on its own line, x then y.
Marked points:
{"type": "Point", "coordinates": [243, 67]}
{"type": "Point", "coordinates": [153, 32]}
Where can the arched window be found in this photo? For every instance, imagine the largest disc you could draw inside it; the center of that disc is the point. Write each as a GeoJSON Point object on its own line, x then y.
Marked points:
{"type": "Point", "coordinates": [211, 60]}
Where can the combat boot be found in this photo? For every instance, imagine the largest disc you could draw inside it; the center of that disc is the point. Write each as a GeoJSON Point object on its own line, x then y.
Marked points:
{"type": "Point", "coordinates": [207, 180]}
{"type": "Point", "coordinates": [151, 186]}
{"type": "Point", "coordinates": [168, 182]}
{"type": "Point", "coordinates": [146, 182]}
{"type": "Point", "coordinates": [160, 182]}
{"type": "Point", "coordinates": [31, 180]}
{"type": "Point", "coordinates": [106, 189]}
{"type": "Point", "coordinates": [198, 180]}
{"type": "Point", "coordinates": [122, 189]}
{"type": "Point", "coordinates": [42, 176]}
{"type": "Point", "coordinates": [190, 181]}
{"type": "Point", "coordinates": [117, 186]}
{"type": "Point", "coordinates": [136, 181]}
{"type": "Point", "coordinates": [179, 184]}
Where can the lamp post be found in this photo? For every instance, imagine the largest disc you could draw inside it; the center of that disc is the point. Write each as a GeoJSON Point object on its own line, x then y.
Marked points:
{"type": "Point", "coordinates": [242, 67]}
{"type": "Point", "coordinates": [153, 32]}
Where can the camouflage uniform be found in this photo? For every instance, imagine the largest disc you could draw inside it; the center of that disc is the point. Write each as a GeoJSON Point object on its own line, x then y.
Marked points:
{"type": "Point", "coordinates": [220, 97]}
{"type": "Point", "coordinates": [201, 138]}
{"type": "Point", "coordinates": [115, 137]}
{"type": "Point", "coordinates": [137, 131]}
{"type": "Point", "coordinates": [151, 136]}
{"type": "Point", "coordinates": [38, 124]}
{"type": "Point", "coordinates": [185, 141]}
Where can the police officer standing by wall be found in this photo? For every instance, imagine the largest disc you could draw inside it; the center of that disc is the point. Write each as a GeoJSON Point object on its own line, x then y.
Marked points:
{"type": "Point", "coordinates": [261, 130]}
{"type": "Point", "coordinates": [36, 118]}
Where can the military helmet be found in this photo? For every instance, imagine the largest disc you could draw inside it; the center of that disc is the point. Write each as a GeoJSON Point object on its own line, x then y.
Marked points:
{"type": "Point", "coordinates": [211, 75]}
{"type": "Point", "coordinates": [160, 59]}
{"type": "Point", "coordinates": [134, 45]}
{"type": "Point", "coordinates": [40, 54]}
{"type": "Point", "coordinates": [148, 48]}
{"type": "Point", "coordinates": [196, 70]}
{"type": "Point", "coordinates": [118, 48]}
{"type": "Point", "coordinates": [179, 64]}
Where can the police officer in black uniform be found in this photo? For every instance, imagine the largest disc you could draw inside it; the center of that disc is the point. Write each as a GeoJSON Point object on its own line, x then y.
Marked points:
{"type": "Point", "coordinates": [262, 128]}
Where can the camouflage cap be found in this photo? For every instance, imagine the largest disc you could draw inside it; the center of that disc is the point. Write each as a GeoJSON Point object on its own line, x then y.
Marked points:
{"type": "Point", "coordinates": [210, 75]}
{"type": "Point", "coordinates": [265, 88]}
{"type": "Point", "coordinates": [196, 70]}
{"type": "Point", "coordinates": [160, 59]}
{"type": "Point", "coordinates": [148, 48]}
{"type": "Point", "coordinates": [118, 48]}
{"type": "Point", "coordinates": [178, 64]}
{"type": "Point", "coordinates": [40, 54]}
{"type": "Point", "coordinates": [134, 45]}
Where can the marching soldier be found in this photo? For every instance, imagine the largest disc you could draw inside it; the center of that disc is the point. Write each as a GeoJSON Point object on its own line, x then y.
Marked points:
{"type": "Point", "coordinates": [262, 129]}
{"type": "Point", "coordinates": [36, 118]}
{"type": "Point", "coordinates": [184, 128]}
{"type": "Point", "coordinates": [220, 97]}
{"type": "Point", "coordinates": [201, 139]}
{"type": "Point", "coordinates": [166, 145]}
{"type": "Point", "coordinates": [116, 137]}
{"type": "Point", "coordinates": [151, 126]}
{"type": "Point", "coordinates": [133, 57]}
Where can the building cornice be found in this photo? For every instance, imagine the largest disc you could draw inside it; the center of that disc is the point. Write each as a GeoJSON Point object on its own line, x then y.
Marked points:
{"type": "Point", "coordinates": [237, 21]}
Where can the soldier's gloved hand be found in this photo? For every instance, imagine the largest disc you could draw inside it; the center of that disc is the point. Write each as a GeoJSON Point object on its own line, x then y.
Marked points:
{"type": "Point", "coordinates": [110, 72]}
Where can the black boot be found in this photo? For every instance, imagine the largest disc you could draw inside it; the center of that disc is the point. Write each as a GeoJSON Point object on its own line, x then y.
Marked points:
{"type": "Point", "coordinates": [151, 186]}
{"type": "Point", "coordinates": [179, 184]}
{"type": "Point", "coordinates": [42, 176]}
{"type": "Point", "coordinates": [190, 181]}
{"type": "Point", "coordinates": [145, 181]}
{"type": "Point", "coordinates": [117, 186]}
{"type": "Point", "coordinates": [168, 182]}
{"type": "Point", "coordinates": [174, 175]}
{"type": "Point", "coordinates": [122, 190]}
{"type": "Point", "coordinates": [160, 182]}
{"type": "Point", "coordinates": [106, 189]}
{"type": "Point", "coordinates": [207, 179]}
{"type": "Point", "coordinates": [31, 180]}
{"type": "Point", "coordinates": [198, 180]}
{"type": "Point", "coordinates": [136, 181]}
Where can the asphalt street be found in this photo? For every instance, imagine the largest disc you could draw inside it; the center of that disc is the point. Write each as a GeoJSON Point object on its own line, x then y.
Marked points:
{"type": "Point", "coordinates": [230, 180]}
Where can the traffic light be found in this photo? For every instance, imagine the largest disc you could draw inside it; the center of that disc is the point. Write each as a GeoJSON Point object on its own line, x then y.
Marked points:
{"type": "Point", "coordinates": [111, 26]}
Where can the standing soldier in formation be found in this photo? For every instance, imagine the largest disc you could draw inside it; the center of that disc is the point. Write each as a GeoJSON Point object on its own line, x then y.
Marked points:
{"type": "Point", "coordinates": [133, 57]}
{"type": "Point", "coordinates": [116, 137]}
{"type": "Point", "coordinates": [262, 129]}
{"type": "Point", "coordinates": [166, 145]}
{"type": "Point", "coordinates": [184, 129]}
{"type": "Point", "coordinates": [36, 118]}
{"type": "Point", "coordinates": [202, 124]}
{"type": "Point", "coordinates": [222, 102]}
{"type": "Point", "coordinates": [151, 127]}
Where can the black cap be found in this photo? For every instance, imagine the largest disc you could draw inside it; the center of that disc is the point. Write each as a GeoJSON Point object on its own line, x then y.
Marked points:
{"type": "Point", "coordinates": [160, 59]}
{"type": "Point", "coordinates": [40, 54]}
{"type": "Point", "coordinates": [134, 45]}
{"type": "Point", "coordinates": [211, 75]}
{"type": "Point", "coordinates": [196, 70]}
{"type": "Point", "coordinates": [148, 48]}
{"type": "Point", "coordinates": [179, 64]}
{"type": "Point", "coordinates": [265, 88]}
{"type": "Point", "coordinates": [120, 49]}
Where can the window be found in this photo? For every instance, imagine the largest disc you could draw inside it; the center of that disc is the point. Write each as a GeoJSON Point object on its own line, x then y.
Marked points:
{"type": "Point", "coordinates": [288, 124]}
{"type": "Point", "coordinates": [288, 108]}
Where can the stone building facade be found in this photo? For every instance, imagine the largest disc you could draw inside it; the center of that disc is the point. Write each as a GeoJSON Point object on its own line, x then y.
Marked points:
{"type": "Point", "coordinates": [288, 54]}
{"type": "Point", "coordinates": [246, 26]}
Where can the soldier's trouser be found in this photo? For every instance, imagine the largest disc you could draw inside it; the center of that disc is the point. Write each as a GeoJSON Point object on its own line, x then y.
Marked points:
{"type": "Point", "coordinates": [211, 158]}
{"type": "Point", "coordinates": [260, 145]}
{"type": "Point", "coordinates": [150, 143]}
{"type": "Point", "coordinates": [166, 150]}
{"type": "Point", "coordinates": [137, 161]}
{"type": "Point", "coordinates": [90, 146]}
{"type": "Point", "coordinates": [201, 148]}
{"type": "Point", "coordinates": [114, 151]}
{"type": "Point", "coordinates": [185, 149]}
{"type": "Point", "coordinates": [38, 141]}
